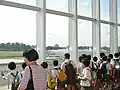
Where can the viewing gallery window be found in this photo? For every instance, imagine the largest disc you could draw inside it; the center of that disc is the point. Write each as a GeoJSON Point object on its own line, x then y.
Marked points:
{"type": "Point", "coordinates": [104, 9]}
{"type": "Point", "coordinates": [58, 5]}
{"type": "Point", "coordinates": [105, 38]}
{"type": "Point", "coordinates": [84, 7]}
{"type": "Point", "coordinates": [118, 11]}
{"type": "Point", "coordinates": [17, 25]}
{"type": "Point", "coordinates": [119, 39]}
{"type": "Point", "coordinates": [84, 37]}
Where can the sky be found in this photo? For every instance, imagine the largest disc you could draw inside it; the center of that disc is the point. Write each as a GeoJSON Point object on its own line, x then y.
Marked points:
{"type": "Point", "coordinates": [19, 25]}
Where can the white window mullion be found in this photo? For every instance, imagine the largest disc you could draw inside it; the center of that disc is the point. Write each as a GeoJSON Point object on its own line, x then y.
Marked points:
{"type": "Point", "coordinates": [73, 29]}
{"type": "Point", "coordinates": [41, 30]}
{"type": "Point", "coordinates": [19, 5]}
{"type": "Point", "coordinates": [113, 27]}
{"type": "Point", "coordinates": [96, 35]}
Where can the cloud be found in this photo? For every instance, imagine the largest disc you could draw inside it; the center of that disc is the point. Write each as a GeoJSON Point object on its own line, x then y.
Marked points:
{"type": "Point", "coordinates": [84, 8]}
{"type": "Point", "coordinates": [87, 2]}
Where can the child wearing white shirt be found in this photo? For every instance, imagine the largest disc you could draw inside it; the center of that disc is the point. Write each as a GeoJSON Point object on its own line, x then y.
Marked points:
{"type": "Point", "coordinates": [87, 76]}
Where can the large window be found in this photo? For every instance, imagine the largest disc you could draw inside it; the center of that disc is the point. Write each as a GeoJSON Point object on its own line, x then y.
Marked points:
{"type": "Point", "coordinates": [28, 2]}
{"type": "Point", "coordinates": [17, 32]}
{"type": "Point", "coordinates": [59, 5]}
{"type": "Point", "coordinates": [105, 38]}
{"type": "Point", "coordinates": [84, 7]}
{"type": "Point", "coordinates": [84, 37]}
{"type": "Point", "coordinates": [118, 11]}
{"type": "Point", "coordinates": [104, 10]}
{"type": "Point", "coordinates": [18, 25]}
{"type": "Point", "coordinates": [119, 39]}
{"type": "Point", "coordinates": [56, 36]}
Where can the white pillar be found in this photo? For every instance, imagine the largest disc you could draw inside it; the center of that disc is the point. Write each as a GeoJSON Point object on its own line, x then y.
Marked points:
{"type": "Point", "coordinates": [113, 28]}
{"type": "Point", "coordinates": [96, 35]}
{"type": "Point", "coordinates": [73, 35]}
{"type": "Point", "coordinates": [41, 30]}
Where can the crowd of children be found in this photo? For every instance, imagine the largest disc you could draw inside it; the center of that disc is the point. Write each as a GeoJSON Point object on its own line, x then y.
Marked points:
{"type": "Point", "coordinates": [91, 73]}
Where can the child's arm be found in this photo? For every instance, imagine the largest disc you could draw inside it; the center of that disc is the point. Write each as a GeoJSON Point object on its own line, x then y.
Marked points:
{"type": "Point", "coordinates": [82, 78]}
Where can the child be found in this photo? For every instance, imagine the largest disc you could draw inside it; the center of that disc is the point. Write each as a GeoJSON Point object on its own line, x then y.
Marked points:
{"type": "Point", "coordinates": [23, 67]}
{"type": "Point", "coordinates": [87, 76]}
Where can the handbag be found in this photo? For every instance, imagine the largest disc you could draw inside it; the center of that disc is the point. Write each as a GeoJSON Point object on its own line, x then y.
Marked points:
{"type": "Point", "coordinates": [30, 85]}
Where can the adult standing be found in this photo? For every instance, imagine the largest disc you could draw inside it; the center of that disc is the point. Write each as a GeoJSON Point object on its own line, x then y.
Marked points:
{"type": "Point", "coordinates": [33, 72]}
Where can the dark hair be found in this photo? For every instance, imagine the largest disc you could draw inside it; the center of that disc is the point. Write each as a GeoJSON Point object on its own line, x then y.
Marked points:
{"type": "Point", "coordinates": [95, 59]}
{"type": "Point", "coordinates": [102, 54]}
{"type": "Point", "coordinates": [110, 56]}
{"type": "Point", "coordinates": [109, 60]}
{"type": "Point", "coordinates": [24, 65]}
{"type": "Point", "coordinates": [104, 58]}
{"type": "Point", "coordinates": [116, 55]}
{"type": "Point", "coordinates": [67, 56]}
{"type": "Point", "coordinates": [86, 62]}
{"type": "Point", "coordinates": [31, 55]}
{"type": "Point", "coordinates": [44, 65]}
{"type": "Point", "coordinates": [84, 55]}
{"type": "Point", "coordinates": [11, 65]}
{"type": "Point", "coordinates": [80, 58]}
{"type": "Point", "coordinates": [89, 57]}
{"type": "Point", "coordinates": [55, 62]}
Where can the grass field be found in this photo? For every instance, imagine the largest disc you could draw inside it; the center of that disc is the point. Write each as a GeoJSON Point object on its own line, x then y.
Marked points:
{"type": "Point", "coordinates": [10, 54]}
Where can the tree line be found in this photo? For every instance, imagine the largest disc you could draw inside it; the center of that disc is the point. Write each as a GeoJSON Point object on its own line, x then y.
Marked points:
{"type": "Point", "coordinates": [21, 47]}
{"type": "Point", "coordinates": [15, 46]}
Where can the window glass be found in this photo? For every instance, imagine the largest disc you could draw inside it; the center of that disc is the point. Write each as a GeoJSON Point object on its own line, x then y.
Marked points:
{"type": "Point", "coordinates": [104, 10]}
{"type": "Point", "coordinates": [105, 38]}
{"type": "Point", "coordinates": [17, 32]}
{"type": "Point", "coordinates": [59, 5]}
{"type": "Point", "coordinates": [56, 37]}
{"type": "Point", "coordinates": [84, 8]}
{"type": "Point", "coordinates": [84, 37]}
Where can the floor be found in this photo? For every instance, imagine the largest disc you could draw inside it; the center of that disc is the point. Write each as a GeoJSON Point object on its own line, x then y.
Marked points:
{"type": "Point", "coordinates": [5, 87]}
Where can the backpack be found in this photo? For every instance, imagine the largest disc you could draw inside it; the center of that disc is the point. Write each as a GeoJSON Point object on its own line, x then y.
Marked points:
{"type": "Point", "coordinates": [93, 68]}
{"type": "Point", "coordinates": [61, 74]}
{"type": "Point", "coordinates": [92, 82]}
{"type": "Point", "coordinates": [51, 81]}
{"type": "Point", "coordinates": [104, 69]}
{"type": "Point", "coordinates": [70, 72]}
{"type": "Point", "coordinates": [16, 81]}
{"type": "Point", "coordinates": [116, 70]}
